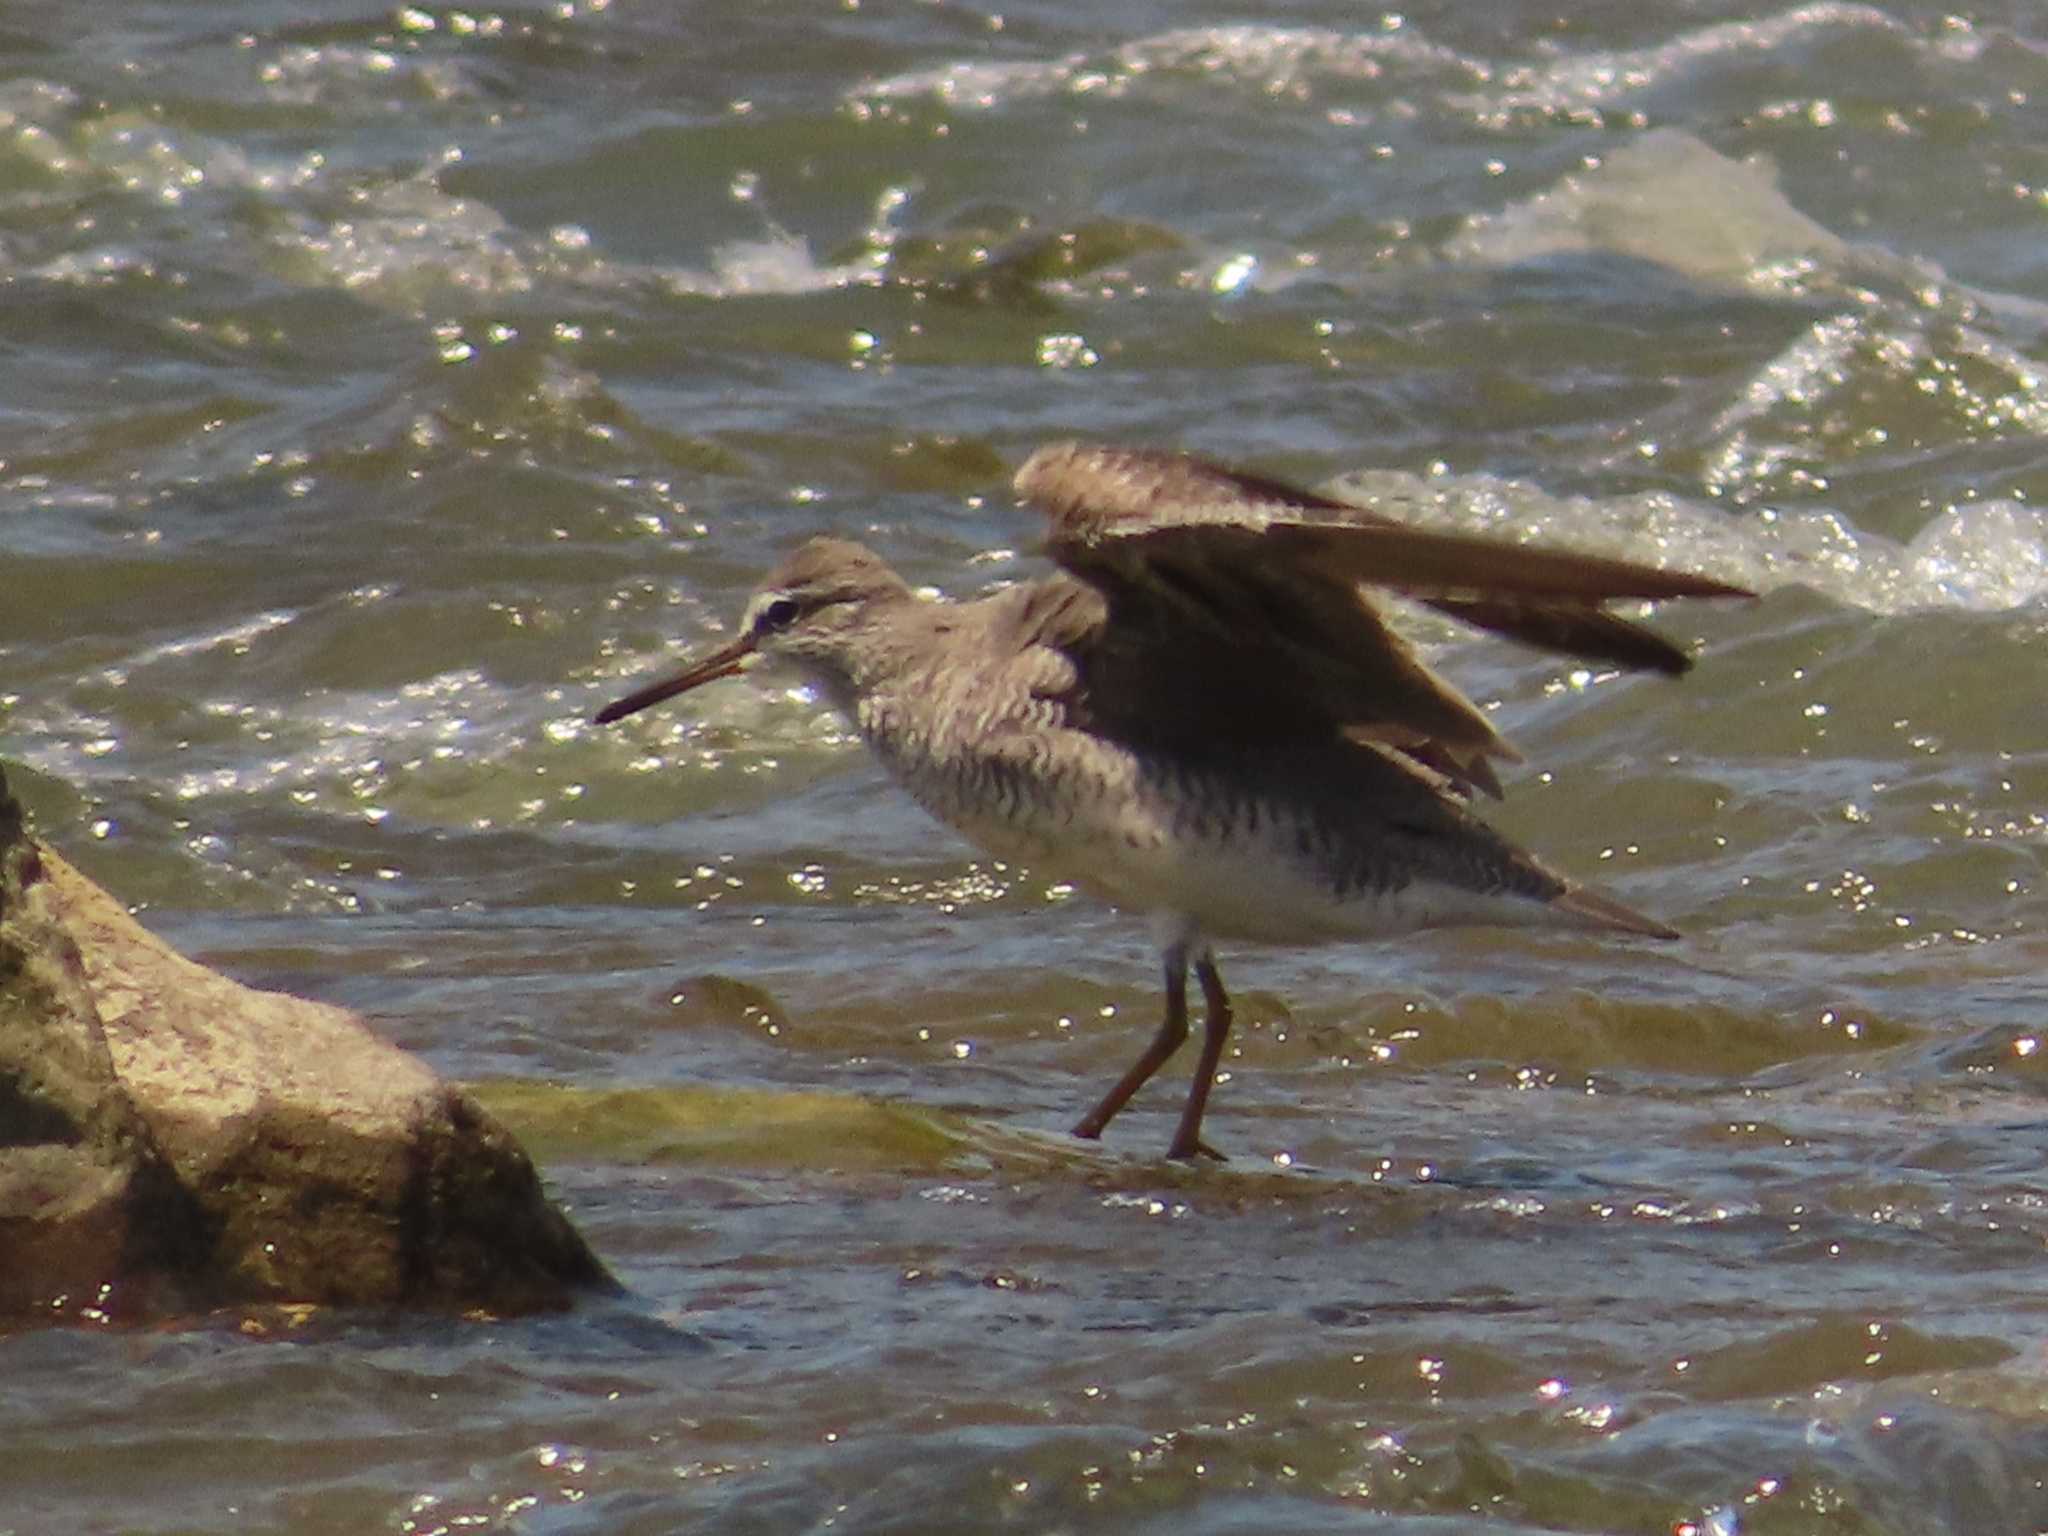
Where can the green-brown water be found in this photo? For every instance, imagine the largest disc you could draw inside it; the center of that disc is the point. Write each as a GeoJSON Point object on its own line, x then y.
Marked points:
{"type": "Point", "coordinates": [383, 389]}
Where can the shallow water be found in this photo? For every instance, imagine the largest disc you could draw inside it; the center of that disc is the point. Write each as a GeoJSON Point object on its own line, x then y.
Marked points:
{"type": "Point", "coordinates": [386, 389]}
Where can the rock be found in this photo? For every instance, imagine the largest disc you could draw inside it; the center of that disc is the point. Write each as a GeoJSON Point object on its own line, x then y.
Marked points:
{"type": "Point", "coordinates": [84, 1191]}
{"type": "Point", "coordinates": [171, 1139]}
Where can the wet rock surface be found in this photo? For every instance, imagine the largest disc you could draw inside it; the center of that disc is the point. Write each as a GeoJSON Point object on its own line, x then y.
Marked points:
{"type": "Point", "coordinates": [173, 1140]}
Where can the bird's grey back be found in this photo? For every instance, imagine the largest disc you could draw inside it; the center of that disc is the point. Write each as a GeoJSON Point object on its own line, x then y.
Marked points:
{"type": "Point", "coordinates": [1024, 719]}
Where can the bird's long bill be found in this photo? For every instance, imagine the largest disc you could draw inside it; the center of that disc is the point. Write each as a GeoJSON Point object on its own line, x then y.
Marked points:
{"type": "Point", "coordinates": [720, 663]}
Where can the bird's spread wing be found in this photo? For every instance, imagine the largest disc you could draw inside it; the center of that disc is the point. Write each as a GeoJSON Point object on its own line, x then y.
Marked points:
{"type": "Point", "coordinates": [1239, 605]}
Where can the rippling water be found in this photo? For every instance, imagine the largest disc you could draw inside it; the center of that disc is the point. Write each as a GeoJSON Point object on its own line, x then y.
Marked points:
{"type": "Point", "coordinates": [386, 388]}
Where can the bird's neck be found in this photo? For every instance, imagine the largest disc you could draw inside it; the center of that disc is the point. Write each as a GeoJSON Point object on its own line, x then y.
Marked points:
{"type": "Point", "coordinates": [896, 648]}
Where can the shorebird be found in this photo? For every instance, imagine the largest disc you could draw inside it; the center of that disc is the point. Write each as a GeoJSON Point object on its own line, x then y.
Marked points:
{"type": "Point", "coordinates": [1203, 715]}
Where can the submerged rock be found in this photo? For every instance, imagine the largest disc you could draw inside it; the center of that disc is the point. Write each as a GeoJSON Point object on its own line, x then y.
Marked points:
{"type": "Point", "coordinates": [172, 1139]}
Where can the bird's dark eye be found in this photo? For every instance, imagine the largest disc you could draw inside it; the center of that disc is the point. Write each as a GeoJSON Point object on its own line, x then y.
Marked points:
{"type": "Point", "coordinates": [779, 614]}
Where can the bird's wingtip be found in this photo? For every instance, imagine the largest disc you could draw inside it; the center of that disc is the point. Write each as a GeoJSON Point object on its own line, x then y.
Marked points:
{"type": "Point", "coordinates": [1605, 912]}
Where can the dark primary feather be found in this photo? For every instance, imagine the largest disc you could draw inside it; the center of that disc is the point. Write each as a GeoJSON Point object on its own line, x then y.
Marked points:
{"type": "Point", "coordinates": [1236, 606]}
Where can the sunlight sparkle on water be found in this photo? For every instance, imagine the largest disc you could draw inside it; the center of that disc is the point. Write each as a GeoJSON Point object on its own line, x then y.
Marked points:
{"type": "Point", "coordinates": [1235, 273]}
{"type": "Point", "coordinates": [1065, 349]}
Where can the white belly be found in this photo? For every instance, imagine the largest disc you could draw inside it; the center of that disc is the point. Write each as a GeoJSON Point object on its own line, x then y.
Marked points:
{"type": "Point", "coordinates": [1121, 838]}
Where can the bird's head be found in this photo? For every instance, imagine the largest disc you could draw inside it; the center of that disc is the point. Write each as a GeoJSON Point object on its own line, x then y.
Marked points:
{"type": "Point", "coordinates": [805, 610]}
